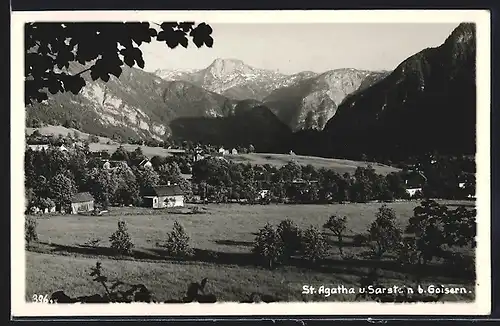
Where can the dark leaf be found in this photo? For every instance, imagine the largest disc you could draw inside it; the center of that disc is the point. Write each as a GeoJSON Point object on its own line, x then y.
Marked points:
{"type": "Point", "coordinates": [209, 41]}
{"type": "Point", "coordinates": [94, 74]}
{"type": "Point", "coordinates": [186, 26]}
{"type": "Point", "coordinates": [129, 60]}
{"type": "Point", "coordinates": [41, 96]}
{"type": "Point", "coordinates": [168, 25]}
{"type": "Point", "coordinates": [183, 41]}
{"type": "Point", "coordinates": [54, 86]}
{"type": "Point", "coordinates": [115, 71]}
{"type": "Point", "coordinates": [105, 77]}
{"type": "Point", "coordinates": [140, 61]}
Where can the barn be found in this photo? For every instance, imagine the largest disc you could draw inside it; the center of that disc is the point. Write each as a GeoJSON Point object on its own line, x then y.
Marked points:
{"type": "Point", "coordinates": [164, 196]}
{"type": "Point", "coordinates": [82, 202]}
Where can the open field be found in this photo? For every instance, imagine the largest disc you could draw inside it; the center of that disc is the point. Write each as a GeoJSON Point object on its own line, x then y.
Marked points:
{"type": "Point", "coordinates": [222, 236]}
{"type": "Point", "coordinates": [340, 166]}
{"type": "Point", "coordinates": [60, 130]}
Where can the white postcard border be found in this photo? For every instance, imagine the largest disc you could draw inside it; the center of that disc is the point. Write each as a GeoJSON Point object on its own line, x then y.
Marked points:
{"type": "Point", "coordinates": [482, 304]}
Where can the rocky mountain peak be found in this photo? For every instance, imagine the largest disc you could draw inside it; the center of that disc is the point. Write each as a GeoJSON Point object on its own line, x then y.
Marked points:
{"type": "Point", "coordinates": [224, 67]}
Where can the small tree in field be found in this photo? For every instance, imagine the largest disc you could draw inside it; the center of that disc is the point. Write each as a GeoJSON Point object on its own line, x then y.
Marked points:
{"type": "Point", "coordinates": [435, 226]}
{"type": "Point", "coordinates": [290, 236]}
{"type": "Point", "coordinates": [459, 226]}
{"type": "Point", "coordinates": [338, 226]}
{"type": "Point", "coordinates": [177, 244]}
{"type": "Point", "coordinates": [383, 234]}
{"type": "Point", "coordinates": [314, 246]}
{"type": "Point", "coordinates": [268, 245]}
{"type": "Point", "coordinates": [30, 234]}
{"type": "Point", "coordinates": [120, 240]}
{"type": "Point", "coordinates": [427, 227]}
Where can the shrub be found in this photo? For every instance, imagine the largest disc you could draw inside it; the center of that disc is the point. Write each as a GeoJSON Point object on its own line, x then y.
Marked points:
{"type": "Point", "coordinates": [338, 226]}
{"type": "Point", "coordinates": [93, 139]}
{"type": "Point", "coordinates": [30, 234]}
{"type": "Point", "coordinates": [93, 242]}
{"type": "Point", "coordinates": [459, 226]}
{"type": "Point", "coordinates": [268, 245]}
{"type": "Point", "coordinates": [291, 237]}
{"type": "Point", "coordinates": [177, 244]}
{"type": "Point", "coordinates": [408, 253]}
{"type": "Point", "coordinates": [120, 240]}
{"type": "Point", "coordinates": [383, 233]}
{"type": "Point", "coordinates": [360, 239]}
{"type": "Point", "coordinates": [314, 246]}
{"type": "Point", "coordinates": [427, 226]}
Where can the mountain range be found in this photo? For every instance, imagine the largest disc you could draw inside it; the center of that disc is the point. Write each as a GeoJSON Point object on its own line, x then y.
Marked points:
{"type": "Point", "coordinates": [236, 80]}
{"type": "Point", "coordinates": [305, 100]}
{"type": "Point", "coordinates": [427, 102]}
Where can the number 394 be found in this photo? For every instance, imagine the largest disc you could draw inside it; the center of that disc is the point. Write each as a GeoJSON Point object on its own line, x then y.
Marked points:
{"type": "Point", "coordinates": [40, 298]}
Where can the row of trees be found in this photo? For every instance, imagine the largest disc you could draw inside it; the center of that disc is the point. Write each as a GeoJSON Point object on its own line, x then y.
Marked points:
{"type": "Point", "coordinates": [432, 231]}
{"type": "Point", "coordinates": [220, 180]}
{"type": "Point", "coordinates": [54, 176]}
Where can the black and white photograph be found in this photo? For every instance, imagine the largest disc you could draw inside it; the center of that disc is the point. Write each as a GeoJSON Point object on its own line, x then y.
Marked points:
{"type": "Point", "coordinates": [250, 163]}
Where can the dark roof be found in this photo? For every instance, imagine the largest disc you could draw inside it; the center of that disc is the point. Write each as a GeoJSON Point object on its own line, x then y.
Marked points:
{"type": "Point", "coordinates": [82, 197]}
{"type": "Point", "coordinates": [164, 190]}
{"type": "Point", "coordinates": [415, 179]}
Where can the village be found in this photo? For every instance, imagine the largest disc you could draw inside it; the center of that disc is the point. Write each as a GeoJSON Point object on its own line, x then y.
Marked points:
{"type": "Point", "coordinates": [171, 195]}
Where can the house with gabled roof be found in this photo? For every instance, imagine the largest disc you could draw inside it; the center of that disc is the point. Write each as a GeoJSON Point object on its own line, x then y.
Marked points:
{"type": "Point", "coordinates": [82, 202]}
{"type": "Point", "coordinates": [414, 182]}
{"type": "Point", "coordinates": [164, 196]}
{"type": "Point", "coordinates": [145, 163]}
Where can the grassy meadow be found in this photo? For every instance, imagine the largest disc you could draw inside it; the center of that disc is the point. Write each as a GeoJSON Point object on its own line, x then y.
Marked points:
{"type": "Point", "coordinates": [222, 236]}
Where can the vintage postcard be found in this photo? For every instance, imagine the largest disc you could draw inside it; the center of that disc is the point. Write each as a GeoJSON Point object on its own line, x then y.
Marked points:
{"type": "Point", "coordinates": [206, 163]}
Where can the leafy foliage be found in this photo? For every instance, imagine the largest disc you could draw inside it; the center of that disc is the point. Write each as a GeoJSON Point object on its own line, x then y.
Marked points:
{"type": "Point", "coordinates": [459, 226]}
{"type": "Point", "coordinates": [103, 48]}
{"type": "Point", "coordinates": [268, 245]}
{"type": "Point", "coordinates": [30, 234]}
{"type": "Point", "coordinates": [291, 237]}
{"type": "Point", "coordinates": [314, 246]}
{"type": "Point", "coordinates": [177, 244]}
{"type": "Point", "coordinates": [435, 226]}
{"type": "Point", "coordinates": [384, 234]}
{"type": "Point", "coordinates": [338, 226]}
{"type": "Point", "coordinates": [121, 240]}
{"type": "Point", "coordinates": [62, 188]}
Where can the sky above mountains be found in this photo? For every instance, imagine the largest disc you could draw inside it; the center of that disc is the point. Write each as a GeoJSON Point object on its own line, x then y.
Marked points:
{"type": "Point", "coordinates": [291, 48]}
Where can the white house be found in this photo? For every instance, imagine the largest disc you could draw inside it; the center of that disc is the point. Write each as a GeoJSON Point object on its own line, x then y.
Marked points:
{"type": "Point", "coordinates": [145, 163]}
{"type": "Point", "coordinates": [198, 157]}
{"type": "Point", "coordinates": [414, 181]}
{"type": "Point", "coordinates": [38, 147]}
{"type": "Point", "coordinates": [63, 148]}
{"type": "Point", "coordinates": [234, 151]}
{"type": "Point", "coordinates": [164, 196]}
{"type": "Point", "coordinates": [413, 191]}
{"type": "Point", "coordinates": [263, 193]}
